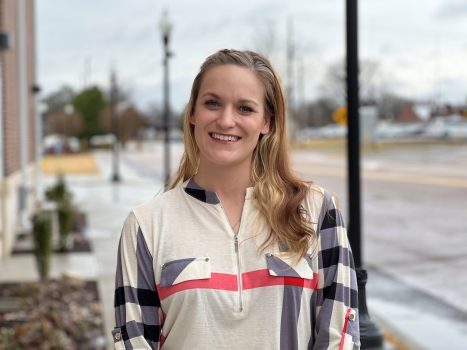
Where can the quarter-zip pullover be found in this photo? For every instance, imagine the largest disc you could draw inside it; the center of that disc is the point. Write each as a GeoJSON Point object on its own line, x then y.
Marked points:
{"type": "Point", "coordinates": [186, 280]}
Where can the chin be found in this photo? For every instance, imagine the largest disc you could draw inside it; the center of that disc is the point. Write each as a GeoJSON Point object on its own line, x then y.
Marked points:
{"type": "Point", "coordinates": [226, 160]}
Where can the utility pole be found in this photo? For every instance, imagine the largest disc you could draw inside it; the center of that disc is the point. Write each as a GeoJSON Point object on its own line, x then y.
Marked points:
{"type": "Point", "coordinates": [301, 79]}
{"type": "Point", "coordinates": [290, 65]}
{"type": "Point", "coordinates": [289, 92]}
{"type": "Point", "coordinates": [114, 117]}
{"type": "Point", "coordinates": [370, 335]}
{"type": "Point", "coordinates": [166, 29]}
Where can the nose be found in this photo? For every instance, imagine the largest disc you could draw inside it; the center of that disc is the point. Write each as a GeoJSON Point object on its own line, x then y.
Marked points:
{"type": "Point", "coordinates": [226, 118]}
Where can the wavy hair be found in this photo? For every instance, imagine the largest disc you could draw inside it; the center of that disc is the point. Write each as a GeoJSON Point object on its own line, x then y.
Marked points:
{"type": "Point", "coordinates": [278, 192]}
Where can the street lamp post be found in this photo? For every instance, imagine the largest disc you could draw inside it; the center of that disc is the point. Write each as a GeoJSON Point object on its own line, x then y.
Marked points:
{"type": "Point", "coordinates": [370, 335]}
{"type": "Point", "coordinates": [69, 110]}
{"type": "Point", "coordinates": [166, 28]}
{"type": "Point", "coordinates": [113, 116]}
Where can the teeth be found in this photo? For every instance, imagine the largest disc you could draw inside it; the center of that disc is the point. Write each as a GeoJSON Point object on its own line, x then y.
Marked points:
{"type": "Point", "coordinates": [224, 137]}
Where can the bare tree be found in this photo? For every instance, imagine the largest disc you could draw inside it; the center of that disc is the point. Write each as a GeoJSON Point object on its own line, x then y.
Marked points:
{"type": "Point", "coordinates": [390, 105]}
{"type": "Point", "coordinates": [130, 121]}
{"type": "Point", "coordinates": [265, 39]}
{"type": "Point", "coordinates": [57, 99]}
{"type": "Point", "coordinates": [334, 84]}
{"type": "Point", "coordinates": [58, 122]}
{"type": "Point", "coordinates": [315, 113]}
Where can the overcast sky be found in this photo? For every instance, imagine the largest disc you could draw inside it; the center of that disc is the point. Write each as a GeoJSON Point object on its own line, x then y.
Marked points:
{"type": "Point", "coordinates": [420, 45]}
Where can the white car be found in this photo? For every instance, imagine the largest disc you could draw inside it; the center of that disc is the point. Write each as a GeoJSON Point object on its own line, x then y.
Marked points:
{"type": "Point", "coordinates": [102, 141]}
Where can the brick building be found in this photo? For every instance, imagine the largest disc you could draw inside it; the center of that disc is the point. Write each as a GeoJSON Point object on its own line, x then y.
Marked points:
{"type": "Point", "coordinates": [17, 117]}
{"type": "Point", "coordinates": [408, 115]}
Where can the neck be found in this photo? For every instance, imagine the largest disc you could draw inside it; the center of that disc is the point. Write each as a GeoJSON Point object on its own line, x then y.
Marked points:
{"type": "Point", "coordinates": [224, 181]}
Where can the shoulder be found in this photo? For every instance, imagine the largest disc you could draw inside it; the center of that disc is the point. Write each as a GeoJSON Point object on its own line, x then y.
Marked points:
{"type": "Point", "coordinates": [329, 222]}
{"type": "Point", "coordinates": [146, 217]}
{"type": "Point", "coordinates": [318, 201]}
{"type": "Point", "coordinates": [158, 203]}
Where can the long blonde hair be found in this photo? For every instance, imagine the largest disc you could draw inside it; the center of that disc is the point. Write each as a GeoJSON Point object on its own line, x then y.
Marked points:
{"type": "Point", "coordinates": [278, 192]}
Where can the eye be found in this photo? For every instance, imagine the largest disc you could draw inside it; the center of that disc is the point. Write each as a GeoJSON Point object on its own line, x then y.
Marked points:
{"type": "Point", "coordinates": [211, 103]}
{"type": "Point", "coordinates": [245, 109]}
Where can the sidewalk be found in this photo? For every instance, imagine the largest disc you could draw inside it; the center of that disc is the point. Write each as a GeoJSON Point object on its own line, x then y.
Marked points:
{"type": "Point", "coordinates": [416, 320]}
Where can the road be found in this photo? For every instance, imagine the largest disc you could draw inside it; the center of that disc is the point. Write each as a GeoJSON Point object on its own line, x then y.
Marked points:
{"type": "Point", "coordinates": [413, 213]}
{"type": "Point", "coordinates": [413, 210]}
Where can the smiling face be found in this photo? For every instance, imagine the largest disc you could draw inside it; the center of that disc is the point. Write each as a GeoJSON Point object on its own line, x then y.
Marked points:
{"type": "Point", "coordinates": [229, 116]}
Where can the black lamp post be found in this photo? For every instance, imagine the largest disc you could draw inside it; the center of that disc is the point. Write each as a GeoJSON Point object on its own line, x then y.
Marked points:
{"type": "Point", "coordinates": [166, 28]}
{"type": "Point", "coordinates": [370, 335]}
{"type": "Point", "coordinates": [113, 115]}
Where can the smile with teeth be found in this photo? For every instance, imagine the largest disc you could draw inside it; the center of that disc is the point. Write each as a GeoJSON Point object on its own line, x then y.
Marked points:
{"type": "Point", "coordinates": [221, 137]}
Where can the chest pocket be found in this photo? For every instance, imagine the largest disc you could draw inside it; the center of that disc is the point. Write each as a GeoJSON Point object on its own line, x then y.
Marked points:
{"type": "Point", "coordinates": [181, 270]}
{"type": "Point", "coordinates": [281, 265]}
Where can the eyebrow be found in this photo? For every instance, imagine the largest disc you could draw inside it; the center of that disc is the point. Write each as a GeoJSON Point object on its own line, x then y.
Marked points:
{"type": "Point", "coordinates": [241, 101]}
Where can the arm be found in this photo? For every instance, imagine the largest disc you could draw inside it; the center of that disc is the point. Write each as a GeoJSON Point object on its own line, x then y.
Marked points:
{"type": "Point", "coordinates": [137, 305]}
{"type": "Point", "coordinates": [335, 301]}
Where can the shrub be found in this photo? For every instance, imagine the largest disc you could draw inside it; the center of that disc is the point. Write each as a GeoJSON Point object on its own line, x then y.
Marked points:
{"type": "Point", "coordinates": [65, 220]}
{"type": "Point", "coordinates": [59, 191]}
{"type": "Point", "coordinates": [42, 233]}
{"type": "Point", "coordinates": [65, 211]}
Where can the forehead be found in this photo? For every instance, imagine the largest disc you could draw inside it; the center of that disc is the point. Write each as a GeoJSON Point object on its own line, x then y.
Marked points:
{"type": "Point", "coordinates": [232, 81]}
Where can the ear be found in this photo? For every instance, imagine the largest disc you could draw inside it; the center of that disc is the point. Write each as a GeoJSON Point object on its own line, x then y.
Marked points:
{"type": "Point", "coordinates": [265, 128]}
{"type": "Point", "coordinates": [192, 119]}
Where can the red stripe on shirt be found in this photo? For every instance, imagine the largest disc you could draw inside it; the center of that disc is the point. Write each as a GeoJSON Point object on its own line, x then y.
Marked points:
{"type": "Point", "coordinates": [221, 281]}
{"type": "Point", "coordinates": [228, 282]}
{"type": "Point", "coordinates": [344, 329]}
{"type": "Point", "coordinates": [262, 278]}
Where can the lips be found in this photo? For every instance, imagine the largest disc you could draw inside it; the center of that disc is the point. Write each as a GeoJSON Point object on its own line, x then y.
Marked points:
{"type": "Point", "coordinates": [224, 137]}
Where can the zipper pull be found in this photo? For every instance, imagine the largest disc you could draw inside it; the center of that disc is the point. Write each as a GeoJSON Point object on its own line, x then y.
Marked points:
{"type": "Point", "coordinates": [236, 243]}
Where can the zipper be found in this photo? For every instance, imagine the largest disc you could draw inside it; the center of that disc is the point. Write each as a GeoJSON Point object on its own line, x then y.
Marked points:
{"type": "Point", "coordinates": [239, 275]}
{"type": "Point", "coordinates": [239, 271]}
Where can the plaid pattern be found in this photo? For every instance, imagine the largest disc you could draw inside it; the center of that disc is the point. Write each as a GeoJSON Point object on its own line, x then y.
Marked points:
{"type": "Point", "coordinates": [137, 304]}
{"type": "Point", "coordinates": [337, 291]}
{"type": "Point", "coordinates": [318, 296]}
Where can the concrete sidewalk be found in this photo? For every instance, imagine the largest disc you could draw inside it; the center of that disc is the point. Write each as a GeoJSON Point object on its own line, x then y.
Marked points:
{"type": "Point", "coordinates": [414, 317]}
{"type": "Point", "coordinates": [416, 320]}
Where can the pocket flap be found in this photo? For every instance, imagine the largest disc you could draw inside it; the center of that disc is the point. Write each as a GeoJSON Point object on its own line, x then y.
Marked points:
{"type": "Point", "coordinates": [181, 270]}
{"type": "Point", "coordinates": [284, 266]}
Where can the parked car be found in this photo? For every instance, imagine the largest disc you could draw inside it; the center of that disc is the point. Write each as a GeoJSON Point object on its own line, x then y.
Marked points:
{"type": "Point", "coordinates": [59, 144]}
{"type": "Point", "coordinates": [333, 131]}
{"type": "Point", "coordinates": [458, 131]}
{"type": "Point", "coordinates": [102, 141]}
{"type": "Point", "coordinates": [398, 130]}
{"type": "Point", "coordinates": [436, 129]}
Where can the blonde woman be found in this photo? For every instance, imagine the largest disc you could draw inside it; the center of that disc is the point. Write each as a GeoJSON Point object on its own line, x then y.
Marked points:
{"type": "Point", "coordinates": [238, 253]}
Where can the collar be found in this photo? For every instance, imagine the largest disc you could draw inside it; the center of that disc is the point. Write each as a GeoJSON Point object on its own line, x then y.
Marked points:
{"type": "Point", "coordinates": [196, 191]}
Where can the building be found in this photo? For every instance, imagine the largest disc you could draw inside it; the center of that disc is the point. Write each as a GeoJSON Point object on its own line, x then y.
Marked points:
{"type": "Point", "coordinates": [17, 118]}
{"type": "Point", "coordinates": [408, 115]}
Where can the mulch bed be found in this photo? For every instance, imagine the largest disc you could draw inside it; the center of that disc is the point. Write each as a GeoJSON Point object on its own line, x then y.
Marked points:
{"type": "Point", "coordinates": [58, 314]}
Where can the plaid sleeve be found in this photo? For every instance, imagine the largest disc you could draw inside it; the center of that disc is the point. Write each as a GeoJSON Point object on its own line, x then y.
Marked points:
{"type": "Point", "coordinates": [137, 305]}
{"type": "Point", "coordinates": [336, 302]}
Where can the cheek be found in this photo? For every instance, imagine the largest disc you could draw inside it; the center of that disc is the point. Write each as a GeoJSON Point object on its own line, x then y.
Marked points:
{"type": "Point", "coordinates": [197, 134]}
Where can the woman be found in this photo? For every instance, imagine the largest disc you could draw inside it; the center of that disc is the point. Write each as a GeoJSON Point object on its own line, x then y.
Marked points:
{"type": "Point", "coordinates": [239, 253]}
